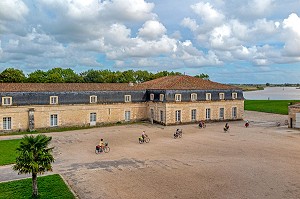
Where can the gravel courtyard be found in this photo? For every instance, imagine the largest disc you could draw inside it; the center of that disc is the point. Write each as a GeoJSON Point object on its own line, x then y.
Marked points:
{"type": "Point", "coordinates": [262, 161]}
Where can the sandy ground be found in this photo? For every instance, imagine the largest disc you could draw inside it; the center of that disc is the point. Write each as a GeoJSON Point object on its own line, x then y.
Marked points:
{"type": "Point", "coordinates": [262, 161]}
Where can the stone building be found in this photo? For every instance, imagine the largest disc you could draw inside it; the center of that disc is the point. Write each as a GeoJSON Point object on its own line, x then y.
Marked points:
{"type": "Point", "coordinates": [294, 116]}
{"type": "Point", "coordinates": [167, 100]}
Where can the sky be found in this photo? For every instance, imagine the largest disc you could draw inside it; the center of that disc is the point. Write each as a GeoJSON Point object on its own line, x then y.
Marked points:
{"type": "Point", "coordinates": [245, 41]}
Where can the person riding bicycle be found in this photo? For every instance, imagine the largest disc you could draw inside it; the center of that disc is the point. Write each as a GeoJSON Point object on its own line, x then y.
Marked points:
{"type": "Point", "coordinates": [247, 123]}
{"type": "Point", "coordinates": [177, 132]}
{"type": "Point", "coordinates": [144, 135]}
{"type": "Point", "coordinates": [101, 145]}
{"type": "Point", "coordinates": [226, 127]}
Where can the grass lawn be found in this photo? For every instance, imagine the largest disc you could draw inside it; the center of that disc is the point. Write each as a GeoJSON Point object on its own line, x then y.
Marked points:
{"type": "Point", "coordinates": [8, 151]}
{"type": "Point", "coordinates": [51, 186]}
{"type": "Point", "coordinates": [269, 106]}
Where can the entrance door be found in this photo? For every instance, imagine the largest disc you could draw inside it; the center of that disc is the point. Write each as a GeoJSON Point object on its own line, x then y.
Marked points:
{"type": "Point", "coordinates": [297, 125]}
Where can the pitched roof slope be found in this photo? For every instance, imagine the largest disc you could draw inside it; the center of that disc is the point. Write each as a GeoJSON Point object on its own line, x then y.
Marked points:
{"type": "Point", "coordinates": [184, 82]}
{"type": "Point", "coordinates": [65, 87]}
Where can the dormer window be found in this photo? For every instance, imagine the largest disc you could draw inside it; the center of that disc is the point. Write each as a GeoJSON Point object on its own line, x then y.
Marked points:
{"type": "Point", "coordinates": [208, 96]}
{"type": "Point", "coordinates": [53, 99]}
{"type": "Point", "coordinates": [234, 95]}
{"type": "Point", "coordinates": [127, 98]}
{"type": "Point", "coordinates": [151, 96]}
{"type": "Point", "coordinates": [93, 99]}
{"type": "Point", "coordinates": [221, 96]}
{"type": "Point", "coordinates": [161, 97]}
{"type": "Point", "coordinates": [6, 101]}
{"type": "Point", "coordinates": [193, 96]}
{"type": "Point", "coordinates": [177, 97]}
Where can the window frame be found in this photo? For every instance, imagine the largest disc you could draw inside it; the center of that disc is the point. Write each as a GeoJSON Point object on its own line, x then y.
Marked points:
{"type": "Point", "coordinates": [7, 123]}
{"type": "Point", "coordinates": [178, 116]}
{"type": "Point", "coordinates": [126, 114]}
{"type": "Point", "coordinates": [52, 101]}
{"type": "Point", "coordinates": [161, 97]}
{"type": "Point", "coordinates": [234, 112]}
{"type": "Point", "coordinates": [194, 97]}
{"type": "Point", "coordinates": [93, 117]}
{"type": "Point", "coordinates": [53, 120]}
{"type": "Point", "coordinates": [208, 96]}
{"type": "Point", "coordinates": [234, 95]}
{"type": "Point", "coordinates": [93, 99]}
{"type": "Point", "coordinates": [223, 113]}
{"type": "Point", "coordinates": [161, 113]}
{"type": "Point", "coordinates": [177, 97]}
{"type": "Point", "coordinates": [221, 96]}
{"type": "Point", "coordinates": [193, 115]}
{"type": "Point", "coordinates": [208, 114]}
{"type": "Point", "coordinates": [127, 98]}
{"type": "Point", "coordinates": [4, 100]}
{"type": "Point", "coordinates": [151, 96]}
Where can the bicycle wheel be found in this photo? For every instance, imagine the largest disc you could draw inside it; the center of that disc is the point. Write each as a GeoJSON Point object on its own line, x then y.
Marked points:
{"type": "Point", "coordinates": [106, 149]}
{"type": "Point", "coordinates": [147, 139]}
{"type": "Point", "coordinates": [96, 151]}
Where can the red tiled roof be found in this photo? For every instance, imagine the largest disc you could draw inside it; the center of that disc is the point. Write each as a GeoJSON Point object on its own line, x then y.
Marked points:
{"type": "Point", "coordinates": [50, 87]}
{"type": "Point", "coordinates": [184, 82]}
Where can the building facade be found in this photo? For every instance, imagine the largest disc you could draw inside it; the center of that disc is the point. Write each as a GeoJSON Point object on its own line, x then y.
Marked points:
{"type": "Point", "coordinates": [168, 100]}
{"type": "Point", "coordinates": [294, 116]}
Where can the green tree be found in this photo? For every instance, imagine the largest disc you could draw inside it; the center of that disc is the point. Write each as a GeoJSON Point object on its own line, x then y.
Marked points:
{"type": "Point", "coordinates": [37, 76]}
{"type": "Point", "coordinates": [11, 75]}
{"type": "Point", "coordinates": [203, 76]}
{"type": "Point", "coordinates": [34, 157]}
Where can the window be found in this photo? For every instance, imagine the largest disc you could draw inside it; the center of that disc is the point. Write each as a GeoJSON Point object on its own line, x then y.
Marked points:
{"type": "Point", "coordinates": [152, 113]}
{"type": "Point", "coordinates": [53, 99]}
{"type": "Point", "coordinates": [234, 95]}
{"type": "Point", "coordinates": [127, 98]}
{"type": "Point", "coordinates": [221, 113]}
{"type": "Point", "coordinates": [161, 116]}
{"type": "Point", "coordinates": [93, 117]}
{"type": "Point", "coordinates": [161, 97]}
{"type": "Point", "coordinates": [234, 112]}
{"type": "Point", "coordinates": [7, 123]}
{"type": "Point", "coordinates": [193, 96]}
{"type": "Point", "coordinates": [177, 97]}
{"type": "Point", "coordinates": [127, 116]}
{"type": "Point", "coordinates": [6, 100]}
{"type": "Point", "coordinates": [151, 96]}
{"type": "Point", "coordinates": [178, 116]}
{"type": "Point", "coordinates": [53, 120]}
{"type": "Point", "coordinates": [208, 96]}
{"type": "Point", "coordinates": [207, 113]}
{"type": "Point", "coordinates": [93, 99]}
{"type": "Point", "coordinates": [193, 114]}
{"type": "Point", "coordinates": [221, 96]}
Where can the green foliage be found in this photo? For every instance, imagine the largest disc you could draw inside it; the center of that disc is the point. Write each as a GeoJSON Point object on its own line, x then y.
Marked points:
{"type": "Point", "coordinates": [12, 75]}
{"type": "Point", "coordinates": [269, 106]}
{"type": "Point", "coordinates": [203, 76]}
{"type": "Point", "coordinates": [8, 151]}
{"type": "Point", "coordinates": [51, 186]}
{"type": "Point", "coordinates": [60, 75]}
{"type": "Point", "coordinates": [33, 155]}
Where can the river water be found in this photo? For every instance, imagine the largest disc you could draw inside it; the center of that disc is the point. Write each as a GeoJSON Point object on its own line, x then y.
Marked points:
{"type": "Point", "coordinates": [274, 93]}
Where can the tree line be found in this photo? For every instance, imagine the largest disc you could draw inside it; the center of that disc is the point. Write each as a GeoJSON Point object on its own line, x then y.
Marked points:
{"type": "Point", "coordinates": [60, 75]}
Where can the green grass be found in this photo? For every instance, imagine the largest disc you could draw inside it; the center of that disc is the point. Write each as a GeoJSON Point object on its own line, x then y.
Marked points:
{"type": "Point", "coordinates": [269, 106]}
{"type": "Point", "coordinates": [8, 151]}
{"type": "Point", "coordinates": [51, 186]}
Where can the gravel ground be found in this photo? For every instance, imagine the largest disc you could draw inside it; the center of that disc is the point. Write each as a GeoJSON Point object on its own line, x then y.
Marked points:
{"type": "Point", "coordinates": [262, 161]}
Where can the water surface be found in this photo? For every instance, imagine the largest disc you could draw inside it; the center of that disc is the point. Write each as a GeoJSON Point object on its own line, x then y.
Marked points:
{"type": "Point", "coordinates": [274, 93]}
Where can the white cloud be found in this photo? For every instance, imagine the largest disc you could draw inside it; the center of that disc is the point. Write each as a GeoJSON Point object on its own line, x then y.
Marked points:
{"type": "Point", "coordinates": [12, 10]}
{"type": "Point", "coordinates": [207, 13]}
{"type": "Point", "coordinates": [190, 23]}
{"type": "Point", "coordinates": [291, 27]}
{"type": "Point", "coordinates": [152, 30]}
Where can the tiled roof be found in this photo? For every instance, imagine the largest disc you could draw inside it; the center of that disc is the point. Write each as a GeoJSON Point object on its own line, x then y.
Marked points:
{"type": "Point", "coordinates": [60, 87]}
{"type": "Point", "coordinates": [184, 82]}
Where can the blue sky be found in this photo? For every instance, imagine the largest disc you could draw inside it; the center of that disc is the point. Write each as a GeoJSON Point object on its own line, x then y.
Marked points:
{"type": "Point", "coordinates": [246, 41]}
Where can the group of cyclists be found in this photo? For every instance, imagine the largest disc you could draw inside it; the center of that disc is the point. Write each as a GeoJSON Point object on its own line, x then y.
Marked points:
{"type": "Point", "coordinates": [100, 147]}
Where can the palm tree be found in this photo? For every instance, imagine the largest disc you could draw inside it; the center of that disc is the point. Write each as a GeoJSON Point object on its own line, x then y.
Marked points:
{"type": "Point", "coordinates": [34, 157]}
